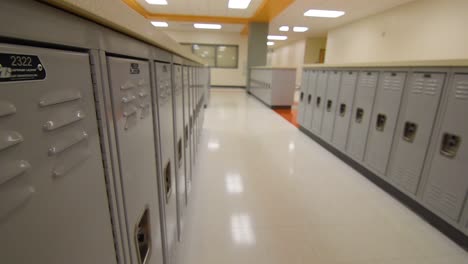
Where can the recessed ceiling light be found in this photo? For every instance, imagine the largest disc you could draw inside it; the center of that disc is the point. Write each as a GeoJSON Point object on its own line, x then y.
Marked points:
{"type": "Point", "coordinates": [300, 29]}
{"type": "Point", "coordinates": [272, 37]}
{"type": "Point", "coordinates": [284, 28]}
{"type": "Point", "coordinates": [270, 43]}
{"type": "Point", "coordinates": [159, 24]}
{"type": "Point", "coordinates": [157, 2]}
{"type": "Point", "coordinates": [239, 4]}
{"type": "Point", "coordinates": [323, 13]}
{"type": "Point", "coordinates": [207, 26]}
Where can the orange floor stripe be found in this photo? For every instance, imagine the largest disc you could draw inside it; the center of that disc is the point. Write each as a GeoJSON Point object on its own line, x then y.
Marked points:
{"type": "Point", "coordinates": [289, 114]}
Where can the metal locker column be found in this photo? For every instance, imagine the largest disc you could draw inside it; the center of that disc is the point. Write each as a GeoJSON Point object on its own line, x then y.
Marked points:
{"type": "Point", "coordinates": [344, 109]}
{"type": "Point", "coordinates": [319, 104]}
{"type": "Point", "coordinates": [330, 104]}
{"type": "Point", "coordinates": [166, 133]}
{"type": "Point", "coordinates": [129, 82]}
{"type": "Point", "coordinates": [53, 200]}
{"type": "Point", "coordinates": [418, 111]}
{"type": "Point", "coordinates": [180, 171]}
{"type": "Point", "coordinates": [309, 108]}
{"type": "Point", "coordinates": [446, 188]}
{"type": "Point", "coordinates": [384, 120]}
{"type": "Point", "coordinates": [187, 142]}
{"type": "Point", "coordinates": [303, 98]}
{"type": "Point", "coordinates": [362, 110]}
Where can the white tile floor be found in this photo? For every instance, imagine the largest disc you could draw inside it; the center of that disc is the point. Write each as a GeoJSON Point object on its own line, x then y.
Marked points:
{"type": "Point", "coordinates": [265, 193]}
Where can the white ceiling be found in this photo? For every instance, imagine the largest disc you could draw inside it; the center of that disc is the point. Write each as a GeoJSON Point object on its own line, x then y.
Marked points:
{"type": "Point", "coordinates": [201, 8]}
{"type": "Point", "coordinates": [355, 10]}
{"type": "Point", "coordinates": [188, 26]}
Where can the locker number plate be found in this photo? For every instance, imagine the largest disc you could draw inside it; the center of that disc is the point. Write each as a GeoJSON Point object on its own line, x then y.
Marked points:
{"type": "Point", "coordinates": [20, 67]}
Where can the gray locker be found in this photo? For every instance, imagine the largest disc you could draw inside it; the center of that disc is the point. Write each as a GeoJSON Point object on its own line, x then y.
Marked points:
{"type": "Point", "coordinates": [51, 174]}
{"type": "Point", "coordinates": [362, 111]}
{"type": "Point", "coordinates": [309, 108]}
{"type": "Point", "coordinates": [447, 185]}
{"type": "Point", "coordinates": [303, 98]}
{"type": "Point", "coordinates": [330, 104]}
{"type": "Point", "coordinates": [414, 129]}
{"type": "Point", "coordinates": [384, 120]}
{"type": "Point", "coordinates": [192, 114]}
{"type": "Point", "coordinates": [130, 89]}
{"type": "Point", "coordinates": [188, 163]}
{"type": "Point", "coordinates": [179, 148]}
{"type": "Point", "coordinates": [166, 133]}
{"type": "Point", "coordinates": [319, 103]}
{"type": "Point", "coordinates": [344, 109]}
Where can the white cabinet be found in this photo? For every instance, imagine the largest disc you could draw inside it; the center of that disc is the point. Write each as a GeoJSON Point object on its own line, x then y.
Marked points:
{"type": "Point", "coordinates": [273, 86]}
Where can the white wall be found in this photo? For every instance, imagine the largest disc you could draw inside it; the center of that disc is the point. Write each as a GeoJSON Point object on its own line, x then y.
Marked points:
{"type": "Point", "coordinates": [291, 55]}
{"type": "Point", "coordinates": [223, 77]}
{"type": "Point", "coordinates": [419, 30]}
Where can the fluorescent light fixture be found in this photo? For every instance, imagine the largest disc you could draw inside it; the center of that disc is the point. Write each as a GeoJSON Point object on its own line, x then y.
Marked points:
{"type": "Point", "coordinates": [156, 2]}
{"type": "Point", "coordinates": [207, 26]}
{"type": "Point", "coordinates": [270, 43]}
{"type": "Point", "coordinates": [284, 28]}
{"type": "Point", "coordinates": [159, 24]}
{"type": "Point", "coordinates": [323, 13]}
{"type": "Point", "coordinates": [239, 4]}
{"type": "Point", "coordinates": [273, 37]}
{"type": "Point", "coordinates": [300, 29]}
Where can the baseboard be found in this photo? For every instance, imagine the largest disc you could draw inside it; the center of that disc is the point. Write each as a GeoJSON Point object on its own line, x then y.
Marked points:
{"type": "Point", "coordinates": [227, 86]}
{"type": "Point", "coordinates": [436, 221]}
{"type": "Point", "coordinates": [267, 105]}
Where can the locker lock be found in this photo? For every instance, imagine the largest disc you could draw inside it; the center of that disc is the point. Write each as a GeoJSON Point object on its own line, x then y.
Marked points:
{"type": "Point", "coordinates": [302, 96]}
{"type": "Point", "coordinates": [410, 131]}
{"type": "Point", "coordinates": [329, 105]}
{"type": "Point", "coordinates": [381, 120]}
{"type": "Point", "coordinates": [342, 110]}
{"type": "Point", "coordinates": [450, 145]}
{"type": "Point", "coordinates": [318, 101]}
{"type": "Point", "coordinates": [359, 115]}
{"type": "Point", "coordinates": [143, 237]}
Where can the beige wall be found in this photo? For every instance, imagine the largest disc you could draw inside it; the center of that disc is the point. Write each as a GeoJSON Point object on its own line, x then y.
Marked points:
{"type": "Point", "coordinates": [224, 77]}
{"type": "Point", "coordinates": [291, 55]}
{"type": "Point", "coordinates": [312, 49]}
{"type": "Point", "coordinates": [419, 30]}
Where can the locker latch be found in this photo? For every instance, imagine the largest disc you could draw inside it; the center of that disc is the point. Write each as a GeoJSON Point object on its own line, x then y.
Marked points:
{"type": "Point", "coordinates": [342, 110]}
{"type": "Point", "coordinates": [318, 101]}
{"type": "Point", "coordinates": [309, 98]}
{"type": "Point", "coordinates": [186, 135]}
{"type": "Point", "coordinates": [329, 105]}
{"type": "Point", "coordinates": [450, 145]}
{"type": "Point", "coordinates": [381, 120]}
{"type": "Point", "coordinates": [143, 237]}
{"type": "Point", "coordinates": [359, 115]}
{"type": "Point", "coordinates": [168, 180]}
{"type": "Point", "coordinates": [410, 131]}
{"type": "Point", "coordinates": [179, 152]}
{"type": "Point", "coordinates": [302, 96]}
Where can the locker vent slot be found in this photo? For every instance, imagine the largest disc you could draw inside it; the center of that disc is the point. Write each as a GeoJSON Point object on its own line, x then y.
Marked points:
{"type": "Point", "coordinates": [10, 170]}
{"type": "Point", "coordinates": [9, 139]}
{"type": "Point", "coordinates": [59, 97]}
{"type": "Point", "coordinates": [381, 120]}
{"type": "Point", "coordinates": [128, 99]}
{"type": "Point", "coordinates": [461, 89]}
{"type": "Point", "coordinates": [67, 143]}
{"type": "Point", "coordinates": [145, 110]}
{"type": "Point", "coordinates": [444, 201]}
{"type": "Point", "coordinates": [143, 237]}
{"type": "Point", "coordinates": [408, 178]}
{"type": "Point", "coordinates": [70, 164]}
{"type": "Point", "coordinates": [329, 105]}
{"type": "Point", "coordinates": [302, 96]}
{"type": "Point", "coordinates": [409, 133]}
{"type": "Point", "coordinates": [64, 120]}
{"type": "Point", "coordinates": [168, 180]}
{"type": "Point", "coordinates": [450, 145]}
{"type": "Point", "coordinates": [7, 109]}
{"type": "Point", "coordinates": [359, 115]}
{"type": "Point", "coordinates": [342, 110]}
{"type": "Point", "coordinates": [13, 198]}
{"type": "Point", "coordinates": [319, 100]}
{"type": "Point", "coordinates": [179, 152]}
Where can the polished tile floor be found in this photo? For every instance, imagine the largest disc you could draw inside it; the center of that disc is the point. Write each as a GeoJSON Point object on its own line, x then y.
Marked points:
{"type": "Point", "coordinates": [265, 193]}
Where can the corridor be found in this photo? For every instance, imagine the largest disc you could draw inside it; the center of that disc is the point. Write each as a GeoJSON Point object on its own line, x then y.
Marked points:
{"type": "Point", "coordinates": [266, 193]}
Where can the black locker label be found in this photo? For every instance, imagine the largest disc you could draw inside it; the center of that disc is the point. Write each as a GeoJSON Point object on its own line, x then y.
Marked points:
{"type": "Point", "coordinates": [134, 68]}
{"type": "Point", "coordinates": [19, 67]}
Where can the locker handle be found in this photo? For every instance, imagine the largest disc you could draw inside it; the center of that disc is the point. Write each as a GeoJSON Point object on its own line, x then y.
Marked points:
{"type": "Point", "coordinates": [380, 123]}
{"type": "Point", "coordinates": [143, 237]}
{"type": "Point", "coordinates": [450, 145]}
{"type": "Point", "coordinates": [342, 110]}
{"type": "Point", "coordinates": [329, 105]}
{"type": "Point", "coordinates": [359, 115]}
{"type": "Point", "coordinates": [318, 101]}
{"type": "Point", "coordinates": [409, 133]}
{"type": "Point", "coordinates": [427, 75]}
{"type": "Point", "coordinates": [168, 181]}
{"type": "Point", "coordinates": [302, 96]}
{"type": "Point", "coordinates": [309, 98]}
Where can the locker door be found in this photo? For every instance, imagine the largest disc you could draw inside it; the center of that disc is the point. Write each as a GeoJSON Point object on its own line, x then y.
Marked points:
{"type": "Point", "coordinates": [384, 120]}
{"type": "Point", "coordinates": [330, 104]}
{"type": "Point", "coordinates": [187, 143]}
{"type": "Point", "coordinates": [129, 82]}
{"type": "Point", "coordinates": [344, 109]}
{"type": "Point", "coordinates": [414, 129]}
{"type": "Point", "coordinates": [311, 84]}
{"type": "Point", "coordinates": [362, 111]}
{"type": "Point", "coordinates": [178, 101]}
{"type": "Point", "coordinates": [319, 104]}
{"type": "Point", "coordinates": [166, 133]}
{"type": "Point", "coordinates": [447, 186]}
{"type": "Point", "coordinates": [53, 200]}
{"type": "Point", "coordinates": [303, 98]}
